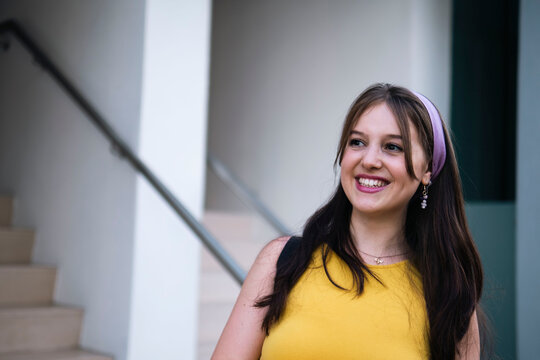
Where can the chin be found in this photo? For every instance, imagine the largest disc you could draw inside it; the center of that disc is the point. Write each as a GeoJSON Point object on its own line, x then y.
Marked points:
{"type": "Point", "coordinates": [371, 210]}
{"type": "Point", "coordinates": [366, 209]}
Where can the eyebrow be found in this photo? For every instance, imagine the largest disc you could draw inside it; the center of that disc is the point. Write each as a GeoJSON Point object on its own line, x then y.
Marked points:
{"type": "Point", "coordinates": [391, 136]}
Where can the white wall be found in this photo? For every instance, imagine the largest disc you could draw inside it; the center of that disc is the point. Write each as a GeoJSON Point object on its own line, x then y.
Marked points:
{"type": "Point", "coordinates": [431, 49]}
{"type": "Point", "coordinates": [284, 74]}
{"type": "Point", "coordinates": [528, 173]}
{"type": "Point", "coordinates": [79, 197]}
{"type": "Point", "coordinates": [173, 140]}
{"type": "Point", "coordinates": [122, 255]}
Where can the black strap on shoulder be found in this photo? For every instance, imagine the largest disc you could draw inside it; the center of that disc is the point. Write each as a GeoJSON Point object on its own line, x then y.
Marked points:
{"type": "Point", "coordinates": [288, 250]}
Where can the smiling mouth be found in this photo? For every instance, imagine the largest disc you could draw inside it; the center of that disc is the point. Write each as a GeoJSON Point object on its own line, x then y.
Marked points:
{"type": "Point", "coordinates": [371, 183]}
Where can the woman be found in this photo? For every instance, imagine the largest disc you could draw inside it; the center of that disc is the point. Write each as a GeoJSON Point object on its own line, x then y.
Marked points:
{"type": "Point", "coordinates": [387, 269]}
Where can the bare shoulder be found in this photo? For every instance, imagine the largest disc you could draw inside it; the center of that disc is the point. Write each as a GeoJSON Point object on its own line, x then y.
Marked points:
{"type": "Point", "coordinates": [263, 270]}
{"type": "Point", "coordinates": [271, 251]}
{"type": "Point", "coordinates": [243, 336]}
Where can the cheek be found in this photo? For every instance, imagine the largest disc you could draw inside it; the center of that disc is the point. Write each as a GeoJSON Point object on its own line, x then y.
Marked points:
{"type": "Point", "coordinates": [345, 171]}
{"type": "Point", "coordinates": [347, 162]}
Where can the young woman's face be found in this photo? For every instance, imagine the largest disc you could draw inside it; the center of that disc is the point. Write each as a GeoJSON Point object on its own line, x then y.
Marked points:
{"type": "Point", "coordinates": [373, 170]}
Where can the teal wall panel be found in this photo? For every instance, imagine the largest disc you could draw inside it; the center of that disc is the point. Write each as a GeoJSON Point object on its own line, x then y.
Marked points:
{"type": "Point", "coordinates": [493, 228]}
{"type": "Point", "coordinates": [483, 104]}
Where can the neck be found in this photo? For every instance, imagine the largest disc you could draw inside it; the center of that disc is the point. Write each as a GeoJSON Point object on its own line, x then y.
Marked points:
{"type": "Point", "coordinates": [379, 235]}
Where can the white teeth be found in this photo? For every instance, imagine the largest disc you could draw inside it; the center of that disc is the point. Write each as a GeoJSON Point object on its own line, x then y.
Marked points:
{"type": "Point", "coordinates": [371, 182]}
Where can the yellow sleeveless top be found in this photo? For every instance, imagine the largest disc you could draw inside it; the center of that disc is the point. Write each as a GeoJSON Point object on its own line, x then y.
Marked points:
{"type": "Point", "coordinates": [320, 321]}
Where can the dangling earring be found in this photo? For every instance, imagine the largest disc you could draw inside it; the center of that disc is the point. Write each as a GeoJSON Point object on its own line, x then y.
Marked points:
{"type": "Point", "coordinates": [424, 196]}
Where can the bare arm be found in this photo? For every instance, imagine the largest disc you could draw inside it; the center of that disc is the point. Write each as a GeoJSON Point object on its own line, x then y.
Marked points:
{"type": "Point", "coordinates": [242, 337]}
{"type": "Point", "coordinates": [469, 347]}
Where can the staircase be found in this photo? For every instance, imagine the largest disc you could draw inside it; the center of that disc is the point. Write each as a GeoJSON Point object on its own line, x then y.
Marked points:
{"type": "Point", "coordinates": [31, 326]}
{"type": "Point", "coordinates": [243, 235]}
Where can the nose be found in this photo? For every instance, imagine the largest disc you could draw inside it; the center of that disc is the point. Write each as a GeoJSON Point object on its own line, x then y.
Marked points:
{"type": "Point", "coordinates": [371, 158]}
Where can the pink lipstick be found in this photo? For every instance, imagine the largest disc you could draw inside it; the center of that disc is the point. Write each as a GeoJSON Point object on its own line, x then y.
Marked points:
{"type": "Point", "coordinates": [370, 184]}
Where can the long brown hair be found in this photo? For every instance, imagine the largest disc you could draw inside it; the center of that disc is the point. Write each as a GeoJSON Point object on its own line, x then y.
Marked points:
{"type": "Point", "coordinates": [441, 245]}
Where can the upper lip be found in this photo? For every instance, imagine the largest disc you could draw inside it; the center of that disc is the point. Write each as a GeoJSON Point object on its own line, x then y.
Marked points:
{"type": "Point", "coordinates": [365, 176]}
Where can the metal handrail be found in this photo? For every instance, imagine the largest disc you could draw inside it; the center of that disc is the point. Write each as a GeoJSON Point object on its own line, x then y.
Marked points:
{"type": "Point", "coordinates": [123, 150]}
{"type": "Point", "coordinates": [246, 195]}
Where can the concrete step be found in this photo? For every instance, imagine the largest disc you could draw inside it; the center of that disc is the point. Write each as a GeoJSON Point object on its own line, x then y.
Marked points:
{"type": "Point", "coordinates": [217, 295]}
{"type": "Point", "coordinates": [230, 226]}
{"type": "Point", "coordinates": [217, 287]}
{"type": "Point", "coordinates": [214, 317]}
{"type": "Point", "coordinates": [39, 328]}
{"type": "Point", "coordinates": [16, 245]}
{"type": "Point", "coordinates": [6, 210]}
{"type": "Point", "coordinates": [204, 351]}
{"type": "Point", "coordinates": [243, 236]}
{"type": "Point", "coordinates": [244, 252]}
{"type": "Point", "coordinates": [56, 355]}
{"type": "Point", "coordinates": [26, 285]}
{"type": "Point", "coordinates": [237, 226]}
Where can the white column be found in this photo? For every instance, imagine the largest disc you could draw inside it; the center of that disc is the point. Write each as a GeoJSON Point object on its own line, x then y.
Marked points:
{"type": "Point", "coordinates": [173, 141]}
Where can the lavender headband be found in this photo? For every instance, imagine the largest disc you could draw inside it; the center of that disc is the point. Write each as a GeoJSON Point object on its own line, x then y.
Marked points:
{"type": "Point", "coordinates": [439, 145]}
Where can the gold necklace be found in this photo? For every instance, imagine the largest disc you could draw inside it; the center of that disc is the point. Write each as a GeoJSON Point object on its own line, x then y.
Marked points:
{"type": "Point", "coordinates": [380, 259]}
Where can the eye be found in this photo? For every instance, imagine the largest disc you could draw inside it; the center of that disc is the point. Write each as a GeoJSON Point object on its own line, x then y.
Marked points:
{"type": "Point", "coordinates": [393, 147]}
{"type": "Point", "coordinates": [356, 142]}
